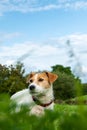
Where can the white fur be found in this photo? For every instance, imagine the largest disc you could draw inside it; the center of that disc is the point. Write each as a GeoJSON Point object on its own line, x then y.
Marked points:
{"type": "Point", "coordinates": [24, 97]}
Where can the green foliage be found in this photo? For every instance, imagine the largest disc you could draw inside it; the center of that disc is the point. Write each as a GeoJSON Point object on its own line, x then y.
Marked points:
{"type": "Point", "coordinates": [62, 69]}
{"type": "Point", "coordinates": [84, 88]}
{"type": "Point", "coordinates": [64, 117]}
{"type": "Point", "coordinates": [12, 78]}
{"type": "Point", "coordinates": [65, 85]}
{"type": "Point", "coordinates": [77, 100]}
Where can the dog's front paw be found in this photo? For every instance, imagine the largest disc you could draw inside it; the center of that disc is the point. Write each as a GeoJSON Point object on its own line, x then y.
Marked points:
{"type": "Point", "coordinates": [37, 110]}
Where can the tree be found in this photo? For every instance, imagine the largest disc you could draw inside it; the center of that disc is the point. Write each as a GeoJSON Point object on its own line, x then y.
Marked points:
{"type": "Point", "coordinates": [65, 85]}
{"type": "Point", "coordinates": [12, 78]}
{"type": "Point", "coordinates": [62, 69]}
{"type": "Point", "coordinates": [84, 88]}
{"type": "Point", "coordinates": [4, 75]}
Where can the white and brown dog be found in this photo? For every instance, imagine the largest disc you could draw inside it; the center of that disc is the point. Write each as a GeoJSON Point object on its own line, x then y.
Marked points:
{"type": "Point", "coordinates": [39, 94]}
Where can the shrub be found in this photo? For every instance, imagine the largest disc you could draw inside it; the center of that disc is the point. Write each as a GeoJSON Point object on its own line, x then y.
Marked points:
{"type": "Point", "coordinates": [65, 85]}
{"type": "Point", "coordinates": [84, 86]}
{"type": "Point", "coordinates": [12, 78]}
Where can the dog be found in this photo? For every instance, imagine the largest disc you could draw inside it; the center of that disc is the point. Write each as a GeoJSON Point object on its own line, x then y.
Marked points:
{"type": "Point", "coordinates": [39, 94]}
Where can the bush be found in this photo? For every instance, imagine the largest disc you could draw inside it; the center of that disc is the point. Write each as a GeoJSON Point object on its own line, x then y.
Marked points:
{"type": "Point", "coordinates": [65, 85]}
{"type": "Point", "coordinates": [12, 78]}
{"type": "Point", "coordinates": [84, 86]}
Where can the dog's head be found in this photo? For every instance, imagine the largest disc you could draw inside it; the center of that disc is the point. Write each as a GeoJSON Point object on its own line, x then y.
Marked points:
{"type": "Point", "coordinates": [39, 83]}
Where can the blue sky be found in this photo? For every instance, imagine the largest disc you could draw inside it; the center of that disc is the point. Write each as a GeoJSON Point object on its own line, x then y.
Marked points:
{"type": "Point", "coordinates": [36, 31]}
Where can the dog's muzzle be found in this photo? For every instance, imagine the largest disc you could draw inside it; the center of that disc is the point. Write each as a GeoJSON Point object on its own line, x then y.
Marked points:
{"type": "Point", "coordinates": [32, 87]}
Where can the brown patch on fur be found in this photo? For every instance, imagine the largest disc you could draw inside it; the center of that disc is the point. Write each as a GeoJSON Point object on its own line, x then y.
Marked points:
{"type": "Point", "coordinates": [45, 83]}
{"type": "Point", "coordinates": [52, 77]}
{"type": "Point", "coordinates": [43, 79]}
{"type": "Point", "coordinates": [30, 76]}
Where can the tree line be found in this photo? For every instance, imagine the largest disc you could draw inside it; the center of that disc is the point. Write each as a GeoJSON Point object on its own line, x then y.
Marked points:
{"type": "Point", "coordinates": [13, 79]}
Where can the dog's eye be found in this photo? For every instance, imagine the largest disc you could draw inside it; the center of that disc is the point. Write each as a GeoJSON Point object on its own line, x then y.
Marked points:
{"type": "Point", "coordinates": [40, 80]}
{"type": "Point", "coordinates": [31, 81]}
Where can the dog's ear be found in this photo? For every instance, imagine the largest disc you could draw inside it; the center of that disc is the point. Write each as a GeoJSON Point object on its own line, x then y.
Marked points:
{"type": "Point", "coordinates": [52, 77]}
{"type": "Point", "coordinates": [30, 76]}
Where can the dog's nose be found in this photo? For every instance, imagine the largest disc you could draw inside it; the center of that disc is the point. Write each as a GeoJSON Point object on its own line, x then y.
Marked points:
{"type": "Point", "coordinates": [32, 87]}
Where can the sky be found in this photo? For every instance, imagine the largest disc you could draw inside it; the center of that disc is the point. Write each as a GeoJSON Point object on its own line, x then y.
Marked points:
{"type": "Point", "coordinates": [44, 33]}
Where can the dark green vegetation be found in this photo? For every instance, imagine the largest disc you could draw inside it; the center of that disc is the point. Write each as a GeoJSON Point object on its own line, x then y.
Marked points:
{"type": "Point", "coordinates": [65, 85]}
{"type": "Point", "coordinates": [75, 101]}
{"type": "Point", "coordinates": [64, 117]}
{"type": "Point", "coordinates": [13, 79]}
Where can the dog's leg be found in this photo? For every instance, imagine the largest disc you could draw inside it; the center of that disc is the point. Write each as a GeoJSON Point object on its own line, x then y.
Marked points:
{"type": "Point", "coordinates": [37, 110]}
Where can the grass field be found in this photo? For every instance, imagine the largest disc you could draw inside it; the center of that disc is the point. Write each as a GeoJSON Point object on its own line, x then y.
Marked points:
{"type": "Point", "coordinates": [64, 117]}
{"type": "Point", "coordinates": [76, 100]}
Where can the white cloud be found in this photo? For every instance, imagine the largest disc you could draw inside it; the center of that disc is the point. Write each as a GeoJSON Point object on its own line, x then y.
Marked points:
{"type": "Point", "coordinates": [77, 41]}
{"type": "Point", "coordinates": [8, 36]}
{"type": "Point", "coordinates": [76, 50]}
{"type": "Point", "coordinates": [38, 56]}
{"type": "Point", "coordinates": [37, 5]}
{"type": "Point", "coordinates": [43, 56]}
{"type": "Point", "coordinates": [81, 4]}
{"type": "Point", "coordinates": [84, 77]}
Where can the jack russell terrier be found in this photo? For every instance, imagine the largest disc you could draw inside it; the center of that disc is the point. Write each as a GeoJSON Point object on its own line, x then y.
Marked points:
{"type": "Point", "coordinates": [39, 95]}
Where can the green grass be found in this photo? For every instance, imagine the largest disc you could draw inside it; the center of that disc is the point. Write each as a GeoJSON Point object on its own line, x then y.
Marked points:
{"type": "Point", "coordinates": [64, 117]}
{"type": "Point", "coordinates": [80, 99]}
